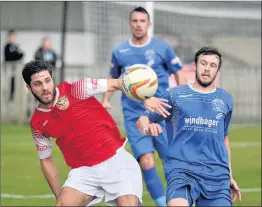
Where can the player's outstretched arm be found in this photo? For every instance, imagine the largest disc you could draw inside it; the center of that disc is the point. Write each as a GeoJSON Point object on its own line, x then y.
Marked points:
{"type": "Point", "coordinates": [145, 127]}
{"type": "Point", "coordinates": [51, 174]}
{"type": "Point", "coordinates": [158, 105]}
{"type": "Point", "coordinates": [106, 99]}
{"type": "Point", "coordinates": [114, 85]}
{"type": "Point", "coordinates": [88, 87]}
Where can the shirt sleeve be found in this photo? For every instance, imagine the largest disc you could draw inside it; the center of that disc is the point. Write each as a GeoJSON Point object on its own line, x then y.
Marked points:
{"type": "Point", "coordinates": [228, 118]}
{"type": "Point", "coordinates": [115, 67]}
{"type": "Point", "coordinates": [87, 87]}
{"type": "Point", "coordinates": [172, 60]}
{"type": "Point", "coordinates": [43, 144]}
{"type": "Point", "coordinates": [154, 116]}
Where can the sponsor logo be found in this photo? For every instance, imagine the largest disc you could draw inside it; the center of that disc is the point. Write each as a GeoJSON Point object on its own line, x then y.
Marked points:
{"type": "Point", "coordinates": [45, 123]}
{"type": "Point", "coordinates": [62, 103]}
{"type": "Point", "coordinates": [201, 121]}
{"type": "Point", "coordinates": [219, 115]}
{"type": "Point", "coordinates": [41, 148]}
{"type": "Point", "coordinates": [150, 56]}
{"type": "Point", "coordinates": [175, 61]}
{"type": "Point", "coordinates": [184, 96]}
{"type": "Point", "coordinates": [126, 89]}
{"type": "Point", "coordinates": [124, 50]}
{"type": "Point", "coordinates": [219, 105]}
{"type": "Point", "coordinates": [94, 83]}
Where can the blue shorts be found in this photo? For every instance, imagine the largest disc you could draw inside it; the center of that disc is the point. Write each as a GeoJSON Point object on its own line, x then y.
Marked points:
{"type": "Point", "coordinates": [196, 190]}
{"type": "Point", "coordinates": [142, 144]}
{"type": "Point", "coordinates": [186, 192]}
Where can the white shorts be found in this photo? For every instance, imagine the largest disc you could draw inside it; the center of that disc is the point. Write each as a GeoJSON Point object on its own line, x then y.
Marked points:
{"type": "Point", "coordinates": [117, 176]}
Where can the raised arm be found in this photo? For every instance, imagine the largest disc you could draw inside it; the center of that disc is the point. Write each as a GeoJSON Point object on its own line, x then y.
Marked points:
{"type": "Point", "coordinates": [115, 72]}
{"type": "Point", "coordinates": [174, 66]}
{"type": "Point", "coordinates": [87, 87]}
{"type": "Point", "coordinates": [107, 97]}
{"type": "Point", "coordinates": [44, 149]}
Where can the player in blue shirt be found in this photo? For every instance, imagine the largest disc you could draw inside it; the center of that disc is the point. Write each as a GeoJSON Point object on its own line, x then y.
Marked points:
{"type": "Point", "coordinates": [141, 49]}
{"type": "Point", "coordinates": [197, 164]}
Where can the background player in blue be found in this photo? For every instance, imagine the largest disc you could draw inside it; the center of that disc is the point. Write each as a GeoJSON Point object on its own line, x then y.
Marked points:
{"type": "Point", "coordinates": [197, 164]}
{"type": "Point", "coordinates": [141, 49]}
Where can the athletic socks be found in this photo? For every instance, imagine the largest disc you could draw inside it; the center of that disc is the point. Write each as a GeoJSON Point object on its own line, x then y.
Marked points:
{"type": "Point", "coordinates": [155, 186]}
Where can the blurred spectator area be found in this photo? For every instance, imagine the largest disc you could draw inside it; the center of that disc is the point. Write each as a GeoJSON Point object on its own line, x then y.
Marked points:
{"type": "Point", "coordinates": [93, 29]}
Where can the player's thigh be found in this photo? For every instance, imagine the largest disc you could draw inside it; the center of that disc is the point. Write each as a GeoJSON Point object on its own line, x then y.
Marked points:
{"type": "Point", "coordinates": [179, 196]}
{"type": "Point", "coordinates": [144, 144]}
{"type": "Point", "coordinates": [86, 181]}
{"type": "Point", "coordinates": [128, 200]}
{"type": "Point", "coordinates": [124, 179]}
{"type": "Point", "coordinates": [214, 202]}
{"type": "Point", "coordinates": [178, 202]}
{"type": "Point", "coordinates": [72, 197]}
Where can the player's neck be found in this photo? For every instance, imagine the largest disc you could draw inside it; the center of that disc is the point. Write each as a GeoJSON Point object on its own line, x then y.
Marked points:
{"type": "Point", "coordinates": [200, 88]}
{"type": "Point", "coordinates": [142, 41]}
{"type": "Point", "coordinates": [46, 106]}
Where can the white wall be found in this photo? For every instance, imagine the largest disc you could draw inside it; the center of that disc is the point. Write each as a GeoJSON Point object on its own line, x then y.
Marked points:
{"type": "Point", "coordinates": [79, 46]}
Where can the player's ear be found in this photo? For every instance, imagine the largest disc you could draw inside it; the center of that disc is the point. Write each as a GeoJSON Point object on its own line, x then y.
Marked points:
{"type": "Point", "coordinates": [150, 25]}
{"type": "Point", "coordinates": [28, 88]}
{"type": "Point", "coordinates": [194, 66]}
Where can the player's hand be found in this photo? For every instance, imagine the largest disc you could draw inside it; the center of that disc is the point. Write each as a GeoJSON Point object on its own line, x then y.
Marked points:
{"type": "Point", "coordinates": [106, 105]}
{"type": "Point", "coordinates": [154, 104]}
{"type": "Point", "coordinates": [153, 129]}
{"type": "Point", "coordinates": [235, 191]}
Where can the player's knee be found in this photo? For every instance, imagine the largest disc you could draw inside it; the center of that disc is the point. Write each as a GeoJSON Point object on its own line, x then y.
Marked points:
{"type": "Point", "coordinates": [146, 161]}
{"type": "Point", "coordinates": [62, 203]}
{"type": "Point", "coordinates": [128, 200]}
{"type": "Point", "coordinates": [178, 202]}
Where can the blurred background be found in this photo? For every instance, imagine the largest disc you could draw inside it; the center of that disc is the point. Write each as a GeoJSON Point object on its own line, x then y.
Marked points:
{"type": "Point", "coordinates": [77, 38]}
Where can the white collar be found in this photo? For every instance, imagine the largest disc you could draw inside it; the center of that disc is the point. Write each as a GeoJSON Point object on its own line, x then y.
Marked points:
{"type": "Point", "coordinates": [190, 86]}
{"type": "Point", "coordinates": [133, 45]}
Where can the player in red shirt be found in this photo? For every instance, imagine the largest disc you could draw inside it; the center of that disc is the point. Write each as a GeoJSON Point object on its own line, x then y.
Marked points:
{"type": "Point", "coordinates": [88, 138]}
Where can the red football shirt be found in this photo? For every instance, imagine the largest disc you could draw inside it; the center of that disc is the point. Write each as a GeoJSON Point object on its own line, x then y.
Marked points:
{"type": "Point", "coordinates": [84, 131]}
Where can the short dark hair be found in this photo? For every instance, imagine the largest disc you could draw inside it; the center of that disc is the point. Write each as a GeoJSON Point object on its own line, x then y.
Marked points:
{"type": "Point", "coordinates": [35, 66]}
{"type": "Point", "coordinates": [139, 9]}
{"type": "Point", "coordinates": [11, 31]}
{"type": "Point", "coordinates": [208, 50]}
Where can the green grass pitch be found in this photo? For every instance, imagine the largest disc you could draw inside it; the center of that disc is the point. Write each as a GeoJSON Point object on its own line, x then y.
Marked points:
{"type": "Point", "coordinates": [21, 173]}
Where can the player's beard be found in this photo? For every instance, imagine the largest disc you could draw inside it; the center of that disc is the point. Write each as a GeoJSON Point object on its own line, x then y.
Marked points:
{"type": "Point", "coordinates": [38, 98]}
{"type": "Point", "coordinates": [202, 83]}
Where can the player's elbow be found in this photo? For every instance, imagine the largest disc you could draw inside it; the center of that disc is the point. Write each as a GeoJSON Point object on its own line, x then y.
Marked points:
{"type": "Point", "coordinates": [180, 78]}
{"type": "Point", "coordinates": [46, 161]}
{"type": "Point", "coordinates": [139, 125]}
{"type": "Point", "coordinates": [114, 84]}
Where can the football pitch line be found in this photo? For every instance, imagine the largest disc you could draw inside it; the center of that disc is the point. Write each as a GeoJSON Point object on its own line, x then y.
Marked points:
{"type": "Point", "coordinates": [232, 144]}
{"type": "Point", "coordinates": [244, 190]}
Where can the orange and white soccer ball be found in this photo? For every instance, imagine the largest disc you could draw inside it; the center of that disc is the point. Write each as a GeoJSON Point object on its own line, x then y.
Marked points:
{"type": "Point", "coordinates": [139, 82]}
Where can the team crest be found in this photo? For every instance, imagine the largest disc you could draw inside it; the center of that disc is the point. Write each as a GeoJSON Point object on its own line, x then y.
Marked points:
{"type": "Point", "coordinates": [62, 103]}
{"type": "Point", "coordinates": [150, 57]}
{"type": "Point", "coordinates": [219, 105]}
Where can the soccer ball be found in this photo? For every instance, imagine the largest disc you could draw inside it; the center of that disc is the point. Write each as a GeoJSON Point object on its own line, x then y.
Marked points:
{"type": "Point", "coordinates": [139, 82]}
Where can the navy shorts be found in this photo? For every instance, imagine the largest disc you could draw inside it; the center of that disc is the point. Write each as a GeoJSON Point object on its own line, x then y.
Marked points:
{"type": "Point", "coordinates": [198, 191]}
{"type": "Point", "coordinates": [141, 143]}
